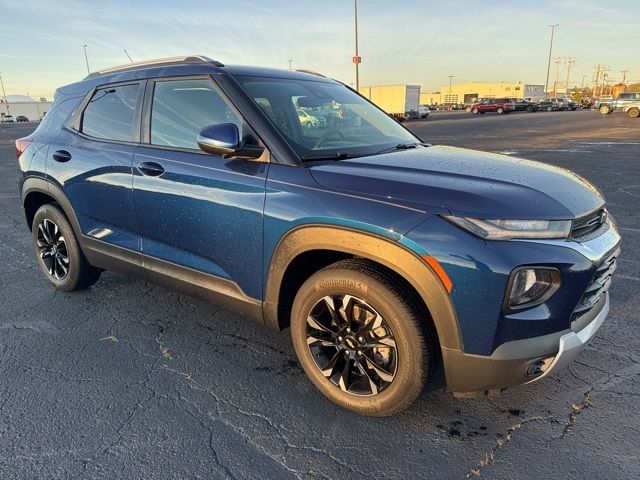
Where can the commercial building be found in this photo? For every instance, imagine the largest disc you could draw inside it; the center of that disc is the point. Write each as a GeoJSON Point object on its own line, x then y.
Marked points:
{"type": "Point", "coordinates": [25, 106]}
{"type": "Point", "coordinates": [470, 91]}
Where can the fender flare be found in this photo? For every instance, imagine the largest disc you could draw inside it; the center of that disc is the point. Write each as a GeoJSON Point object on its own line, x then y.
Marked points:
{"type": "Point", "coordinates": [41, 185]}
{"type": "Point", "coordinates": [373, 247]}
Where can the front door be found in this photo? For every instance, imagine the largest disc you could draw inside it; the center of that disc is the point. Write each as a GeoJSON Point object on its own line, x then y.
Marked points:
{"type": "Point", "coordinates": [197, 210]}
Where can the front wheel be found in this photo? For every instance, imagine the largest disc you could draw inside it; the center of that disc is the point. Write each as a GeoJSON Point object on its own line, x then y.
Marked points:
{"type": "Point", "coordinates": [361, 339]}
{"type": "Point", "coordinates": [500, 111]}
{"type": "Point", "coordinates": [475, 111]}
{"type": "Point", "coordinates": [605, 109]}
{"type": "Point", "coordinates": [58, 253]}
{"type": "Point", "coordinates": [634, 112]}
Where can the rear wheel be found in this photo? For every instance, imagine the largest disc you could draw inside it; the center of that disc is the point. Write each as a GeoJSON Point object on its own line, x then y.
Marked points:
{"type": "Point", "coordinates": [475, 111]}
{"type": "Point", "coordinates": [634, 112]}
{"type": "Point", "coordinates": [605, 109]}
{"type": "Point", "coordinates": [529, 109]}
{"type": "Point", "coordinates": [500, 110]}
{"type": "Point", "coordinates": [360, 338]}
{"type": "Point", "coordinates": [549, 108]}
{"type": "Point", "coordinates": [58, 252]}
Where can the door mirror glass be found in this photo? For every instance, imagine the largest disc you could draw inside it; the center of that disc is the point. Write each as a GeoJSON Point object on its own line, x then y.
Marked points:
{"type": "Point", "coordinates": [224, 139]}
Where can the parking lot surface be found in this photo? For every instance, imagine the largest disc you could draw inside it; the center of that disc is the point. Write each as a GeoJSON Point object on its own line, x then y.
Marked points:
{"type": "Point", "coordinates": [130, 380]}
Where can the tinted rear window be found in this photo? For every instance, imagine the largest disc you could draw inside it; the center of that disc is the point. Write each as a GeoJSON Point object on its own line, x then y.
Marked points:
{"type": "Point", "coordinates": [110, 113]}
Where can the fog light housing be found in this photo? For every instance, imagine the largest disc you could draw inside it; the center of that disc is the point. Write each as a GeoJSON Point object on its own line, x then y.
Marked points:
{"type": "Point", "coordinates": [530, 286]}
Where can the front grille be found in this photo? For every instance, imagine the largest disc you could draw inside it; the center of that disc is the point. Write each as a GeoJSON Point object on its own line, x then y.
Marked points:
{"type": "Point", "coordinates": [587, 224]}
{"type": "Point", "coordinates": [599, 285]}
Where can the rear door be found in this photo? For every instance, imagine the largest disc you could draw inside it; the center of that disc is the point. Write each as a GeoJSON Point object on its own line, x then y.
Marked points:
{"type": "Point", "coordinates": [91, 162]}
{"type": "Point", "coordinates": [197, 210]}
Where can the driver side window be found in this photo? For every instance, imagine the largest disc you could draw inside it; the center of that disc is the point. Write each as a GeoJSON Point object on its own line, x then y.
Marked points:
{"type": "Point", "coordinates": [181, 108]}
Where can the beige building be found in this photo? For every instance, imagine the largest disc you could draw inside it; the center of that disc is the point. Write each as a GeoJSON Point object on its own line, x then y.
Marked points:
{"type": "Point", "coordinates": [470, 91]}
{"type": "Point", "coordinates": [33, 110]}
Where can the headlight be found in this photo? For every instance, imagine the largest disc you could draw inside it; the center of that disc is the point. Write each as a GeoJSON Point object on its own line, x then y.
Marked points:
{"type": "Point", "coordinates": [510, 229]}
{"type": "Point", "coordinates": [529, 286]}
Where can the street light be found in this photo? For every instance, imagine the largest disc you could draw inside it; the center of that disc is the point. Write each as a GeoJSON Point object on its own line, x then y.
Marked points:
{"type": "Point", "coordinates": [546, 85]}
{"type": "Point", "coordinates": [290, 63]}
{"type": "Point", "coordinates": [4, 95]}
{"type": "Point", "coordinates": [356, 58]}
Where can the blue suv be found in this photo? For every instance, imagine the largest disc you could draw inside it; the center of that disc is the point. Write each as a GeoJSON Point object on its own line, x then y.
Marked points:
{"type": "Point", "coordinates": [393, 261]}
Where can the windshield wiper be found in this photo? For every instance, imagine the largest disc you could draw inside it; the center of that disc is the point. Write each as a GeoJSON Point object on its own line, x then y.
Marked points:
{"type": "Point", "coordinates": [330, 156]}
{"type": "Point", "coordinates": [402, 146]}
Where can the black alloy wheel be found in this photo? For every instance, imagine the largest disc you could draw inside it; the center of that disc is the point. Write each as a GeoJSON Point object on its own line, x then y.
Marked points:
{"type": "Point", "coordinates": [352, 344]}
{"type": "Point", "coordinates": [53, 249]}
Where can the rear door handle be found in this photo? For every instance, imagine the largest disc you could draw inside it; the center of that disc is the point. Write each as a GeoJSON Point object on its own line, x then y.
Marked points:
{"type": "Point", "coordinates": [61, 156]}
{"type": "Point", "coordinates": [151, 169]}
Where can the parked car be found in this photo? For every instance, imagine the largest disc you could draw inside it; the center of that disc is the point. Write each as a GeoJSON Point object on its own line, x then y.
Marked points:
{"type": "Point", "coordinates": [618, 103]}
{"type": "Point", "coordinates": [498, 105]}
{"type": "Point", "coordinates": [523, 105]}
{"type": "Point", "coordinates": [424, 111]}
{"type": "Point", "coordinates": [306, 119]}
{"type": "Point", "coordinates": [553, 104]}
{"type": "Point", "coordinates": [632, 109]}
{"type": "Point", "coordinates": [21, 118]}
{"type": "Point", "coordinates": [6, 119]}
{"type": "Point", "coordinates": [387, 257]}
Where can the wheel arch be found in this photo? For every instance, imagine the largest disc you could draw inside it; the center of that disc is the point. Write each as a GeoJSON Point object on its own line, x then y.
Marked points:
{"type": "Point", "coordinates": [341, 242]}
{"type": "Point", "coordinates": [38, 191]}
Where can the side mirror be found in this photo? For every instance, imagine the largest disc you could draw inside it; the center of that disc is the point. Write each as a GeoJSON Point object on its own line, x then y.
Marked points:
{"type": "Point", "coordinates": [224, 139]}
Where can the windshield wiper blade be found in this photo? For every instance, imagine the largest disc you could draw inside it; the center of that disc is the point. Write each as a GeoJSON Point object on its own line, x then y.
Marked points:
{"type": "Point", "coordinates": [402, 146]}
{"type": "Point", "coordinates": [331, 156]}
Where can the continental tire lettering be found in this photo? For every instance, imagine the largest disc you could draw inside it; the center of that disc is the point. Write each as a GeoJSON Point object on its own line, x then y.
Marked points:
{"type": "Point", "coordinates": [341, 282]}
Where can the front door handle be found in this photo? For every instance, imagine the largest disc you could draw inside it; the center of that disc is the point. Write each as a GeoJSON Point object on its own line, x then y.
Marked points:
{"type": "Point", "coordinates": [61, 156]}
{"type": "Point", "coordinates": [151, 169]}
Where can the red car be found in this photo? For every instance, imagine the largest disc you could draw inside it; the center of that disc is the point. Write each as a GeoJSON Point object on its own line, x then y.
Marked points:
{"type": "Point", "coordinates": [499, 105]}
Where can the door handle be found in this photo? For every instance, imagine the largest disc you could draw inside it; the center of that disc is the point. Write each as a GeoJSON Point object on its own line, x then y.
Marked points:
{"type": "Point", "coordinates": [61, 156]}
{"type": "Point", "coordinates": [151, 169]}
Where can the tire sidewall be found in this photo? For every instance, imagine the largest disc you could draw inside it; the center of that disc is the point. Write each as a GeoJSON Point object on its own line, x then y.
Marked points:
{"type": "Point", "coordinates": [73, 250]}
{"type": "Point", "coordinates": [410, 351]}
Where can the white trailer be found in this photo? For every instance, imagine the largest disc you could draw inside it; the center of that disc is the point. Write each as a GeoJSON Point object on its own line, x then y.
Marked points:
{"type": "Point", "coordinates": [400, 101]}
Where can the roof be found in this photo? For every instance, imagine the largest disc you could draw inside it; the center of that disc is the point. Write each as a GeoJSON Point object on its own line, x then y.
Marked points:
{"type": "Point", "coordinates": [179, 66]}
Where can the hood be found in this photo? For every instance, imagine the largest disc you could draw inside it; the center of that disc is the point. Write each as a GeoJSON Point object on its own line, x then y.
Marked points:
{"type": "Point", "coordinates": [465, 182]}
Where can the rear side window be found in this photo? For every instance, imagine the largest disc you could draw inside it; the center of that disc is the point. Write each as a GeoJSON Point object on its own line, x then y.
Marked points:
{"type": "Point", "coordinates": [181, 108]}
{"type": "Point", "coordinates": [110, 113]}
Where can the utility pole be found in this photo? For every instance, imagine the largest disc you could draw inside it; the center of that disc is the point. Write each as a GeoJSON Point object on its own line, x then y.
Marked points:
{"type": "Point", "coordinates": [624, 79]}
{"type": "Point", "coordinates": [450, 79]}
{"type": "Point", "coordinates": [570, 61]}
{"type": "Point", "coordinates": [546, 84]}
{"type": "Point", "coordinates": [127, 53]}
{"type": "Point", "coordinates": [555, 85]}
{"type": "Point", "coordinates": [86, 59]}
{"type": "Point", "coordinates": [582, 86]}
{"type": "Point", "coordinates": [597, 80]}
{"type": "Point", "coordinates": [4, 95]}
{"type": "Point", "coordinates": [290, 63]}
{"type": "Point", "coordinates": [356, 58]}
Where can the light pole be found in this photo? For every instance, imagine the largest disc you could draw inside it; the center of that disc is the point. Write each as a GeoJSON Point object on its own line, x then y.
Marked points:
{"type": "Point", "coordinates": [290, 63]}
{"type": "Point", "coordinates": [86, 59]}
{"type": "Point", "coordinates": [4, 95]}
{"type": "Point", "coordinates": [546, 85]}
{"type": "Point", "coordinates": [356, 59]}
{"type": "Point", "coordinates": [450, 79]}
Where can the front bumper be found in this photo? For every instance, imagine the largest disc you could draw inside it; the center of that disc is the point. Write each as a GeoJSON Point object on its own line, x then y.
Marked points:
{"type": "Point", "coordinates": [509, 365]}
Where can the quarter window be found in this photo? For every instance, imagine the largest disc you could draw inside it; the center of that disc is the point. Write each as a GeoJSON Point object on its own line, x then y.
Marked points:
{"type": "Point", "coordinates": [110, 113]}
{"type": "Point", "coordinates": [182, 108]}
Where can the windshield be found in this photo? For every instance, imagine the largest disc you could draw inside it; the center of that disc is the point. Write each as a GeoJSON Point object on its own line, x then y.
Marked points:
{"type": "Point", "coordinates": [319, 118]}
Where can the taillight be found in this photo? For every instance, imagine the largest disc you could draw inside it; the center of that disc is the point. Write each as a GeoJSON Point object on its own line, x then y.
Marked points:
{"type": "Point", "coordinates": [21, 146]}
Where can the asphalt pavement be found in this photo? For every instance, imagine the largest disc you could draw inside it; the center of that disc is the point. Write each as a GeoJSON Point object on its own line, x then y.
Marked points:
{"type": "Point", "coordinates": [130, 380]}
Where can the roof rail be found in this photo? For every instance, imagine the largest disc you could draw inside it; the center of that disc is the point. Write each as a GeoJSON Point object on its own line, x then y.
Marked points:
{"type": "Point", "coordinates": [156, 62]}
{"type": "Point", "coordinates": [311, 72]}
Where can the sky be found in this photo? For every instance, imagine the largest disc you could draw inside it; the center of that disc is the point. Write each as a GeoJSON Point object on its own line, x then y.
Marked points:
{"type": "Point", "coordinates": [401, 41]}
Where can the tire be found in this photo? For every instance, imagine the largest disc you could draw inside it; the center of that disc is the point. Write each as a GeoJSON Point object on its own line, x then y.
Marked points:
{"type": "Point", "coordinates": [468, 109]}
{"type": "Point", "coordinates": [605, 109]}
{"type": "Point", "coordinates": [58, 253]}
{"type": "Point", "coordinates": [475, 111]}
{"type": "Point", "coordinates": [549, 109]}
{"type": "Point", "coordinates": [362, 285]}
{"type": "Point", "coordinates": [634, 112]}
{"type": "Point", "coordinates": [529, 109]}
